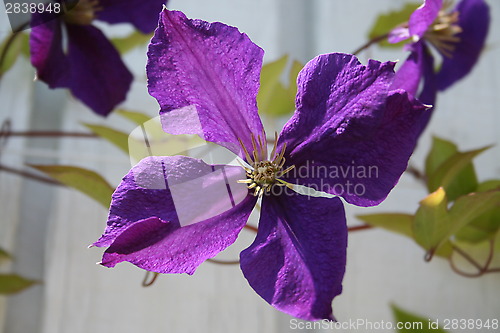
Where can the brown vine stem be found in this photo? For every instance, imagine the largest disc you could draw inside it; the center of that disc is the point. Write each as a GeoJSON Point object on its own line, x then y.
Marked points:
{"type": "Point", "coordinates": [49, 134]}
{"type": "Point", "coordinates": [370, 43]}
{"type": "Point", "coordinates": [223, 262]}
{"type": "Point", "coordinates": [466, 256]}
{"type": "Point", "coordinates": [417, 174]}
{"type": "Point", "coordinates": [481, 269]}
{"type": "Point", "coordinates": [29, 175]}
{"type": "Point", "coordinates": [148, 281]}
{"type": "Point", "coordinates": [251, 227]}
{"type": "Point", "coordinates": [359, 227]}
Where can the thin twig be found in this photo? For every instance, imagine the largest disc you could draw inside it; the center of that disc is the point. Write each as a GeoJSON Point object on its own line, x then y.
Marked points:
{"type": "Point", "coordinates": [481, 269]}
{"type": "Point", "coordinates": [462, 273]}
{"type": "Point", "coordinates": [494, 270]}
{"type": "Point", "coordinates": [251, 227]}
{"type": "Point", "coordinates": [370, 43]}
{"type": "Point", "coordinates": [29, 175]}
{"type": "Point", "coordinates": [490, 255]}
{"type": "Point", "coordinates": [467, 257]}
{"type": "Point", "coordinates": [416, 173]}
{"type": "Point", "coordinates": [145, 282]}
{"type": "Point", "coordinates": [359, 227]}
{"type": "Point", "coordinates": [223, 262]}
{"type": "Point", "coordinates": [50, 134]}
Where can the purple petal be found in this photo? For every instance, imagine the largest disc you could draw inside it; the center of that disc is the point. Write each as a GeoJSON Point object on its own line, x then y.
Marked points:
{"type": "Point", "coordinates": [205, 77]}
{"type": "Point", "coordinates": [410, 74]}
{"type": "Point", "coordinates": [429, 89]}
{"type": "Point", "coordinates": [98, 75]}
{"type": "Point", "coordinates": [474, 19]}
{"type": "Point", "coordinates": [47, 54]}
{"type": "Point", "coordinates": [298, 259]}
{"type": "Point", "coordinates": [398, 34]}
{"type": "Point", "coordinates": [350, 136]}
{"type": "Point", "coordinates": [92, 69]}
{"type": "Point", "coordinates": [167, 187]}
{"type": "Point", "coordinates": [170, 214]}
{"type": "Point", "coordinates": [417, 68]}
{"type": "Point", "coordinates": [423, 17]}
{"type": "Point", "coordinates": [142, 14]}
{"type": "Point", "coordinates": [164, 247]}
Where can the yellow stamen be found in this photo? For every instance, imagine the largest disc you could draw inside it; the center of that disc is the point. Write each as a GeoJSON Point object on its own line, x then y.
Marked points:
{"type": "Point", "coordinates": [264, 173]}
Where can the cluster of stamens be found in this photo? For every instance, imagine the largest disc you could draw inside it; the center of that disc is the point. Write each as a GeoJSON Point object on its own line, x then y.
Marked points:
{"type": "Point", "coordinates": [443, 32]}
{"type": "Point", "coordinates": [263, 173]}
{"type": "Point", "coordinates": [83, 13]}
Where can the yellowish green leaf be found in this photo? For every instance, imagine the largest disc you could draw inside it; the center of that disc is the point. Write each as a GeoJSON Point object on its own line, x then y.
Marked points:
{"type": "Point", "coordinates": [135, 39]}
{"type": "Point", "coordinates": [386, 22]}
{"type": "Point", "coordinates": [4, 255]}
{"type": "Point", "coordinates": [476, 217]}
{"type": "Point", "coordinates": [456, 175]}
{"type": "Point", "coordinates": [149, 139]}
{"type": "Point", "coordinates": [13, 283]}
{"type": "Point", "coordinates": [489, 185]}
{"type": "Point", "coordinates": [432, 223]}
{"type": "Point", "coordinates": [276, 99]}
{"type": "Point", "coordinates": [137, 117]}
{"type": "Point", "coordinates": [84, 180]}
{"type": "Point", "coordinates": [118, 138]}
{"type": "Point", "coordinates": [413, 323]}
{"type": "Point", "coordinates": [395, 222]}
{"type": "Point", "coordinates": [16, 48]}
{"type": "Point", "coordinates": [440, 151]}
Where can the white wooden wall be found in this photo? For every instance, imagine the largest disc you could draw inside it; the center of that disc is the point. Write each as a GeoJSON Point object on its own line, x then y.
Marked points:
{"type": "Point", "coordinates": [48, 229]}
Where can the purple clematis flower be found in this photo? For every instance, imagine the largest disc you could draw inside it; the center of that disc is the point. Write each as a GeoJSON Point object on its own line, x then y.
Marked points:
{"type": "Point", "coordinates": [90, 67]}
{"type": "Point", "coordinates": [171, 213]}
{"type": "Point", "coordinates": [457, 34]}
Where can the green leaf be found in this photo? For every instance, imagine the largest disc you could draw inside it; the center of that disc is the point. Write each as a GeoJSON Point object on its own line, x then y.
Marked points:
{"type": "Point", "coordinates": [395, 222]}
{"type": "Point", "coordinates": [137, 117]}
{"type": "Point", "coordinates": [274, 98]}
{"type": "Point", "coordinates": [119, 139]}
{"type": "Point", "coordinates": [16, 48]}
{"type": "Point", "coordinates": [476, 217]}
{"type": "Point", "coordinates": [292, 78]}
{"type": "Point", "coordinates": [488, 185]}
{"type": "Point", "coordinates": [84, 180]}
{"type": "Point", "coordinates": [4, 255]}
{"type": "Point", "coordinates": [386, 22]}
{"type": "Point", "coordinates": [412, 322]}
{"type": "Point", "coordinates": [440, 151]}
{"type": "Point", "coordinates": [456, 174]}
{"type": "Point", "coordinates": [135, 39]}
{"type": "Point", "coordinates": [13, 283]}
{"type": "Point", "coordinates": [149, 139]}
{"type": "Point", "coordinates": [432, 223]}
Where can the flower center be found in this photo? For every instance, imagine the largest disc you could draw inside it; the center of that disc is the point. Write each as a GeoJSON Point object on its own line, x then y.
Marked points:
{"type": "Point", "coordinates": [264, 173]}
{"type": "Point", "coordinates": [83, 13]}
{"type": "Point", "coordinates": [443, 32]}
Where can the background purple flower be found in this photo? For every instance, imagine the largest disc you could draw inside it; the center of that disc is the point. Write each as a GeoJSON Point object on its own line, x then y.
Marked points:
{"type": "Point", "coordinates": [205, 77]}
{"type": "Point", "coordinates": [86, 62]}
{"type": "Point", "coordinates": [458, 34]}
